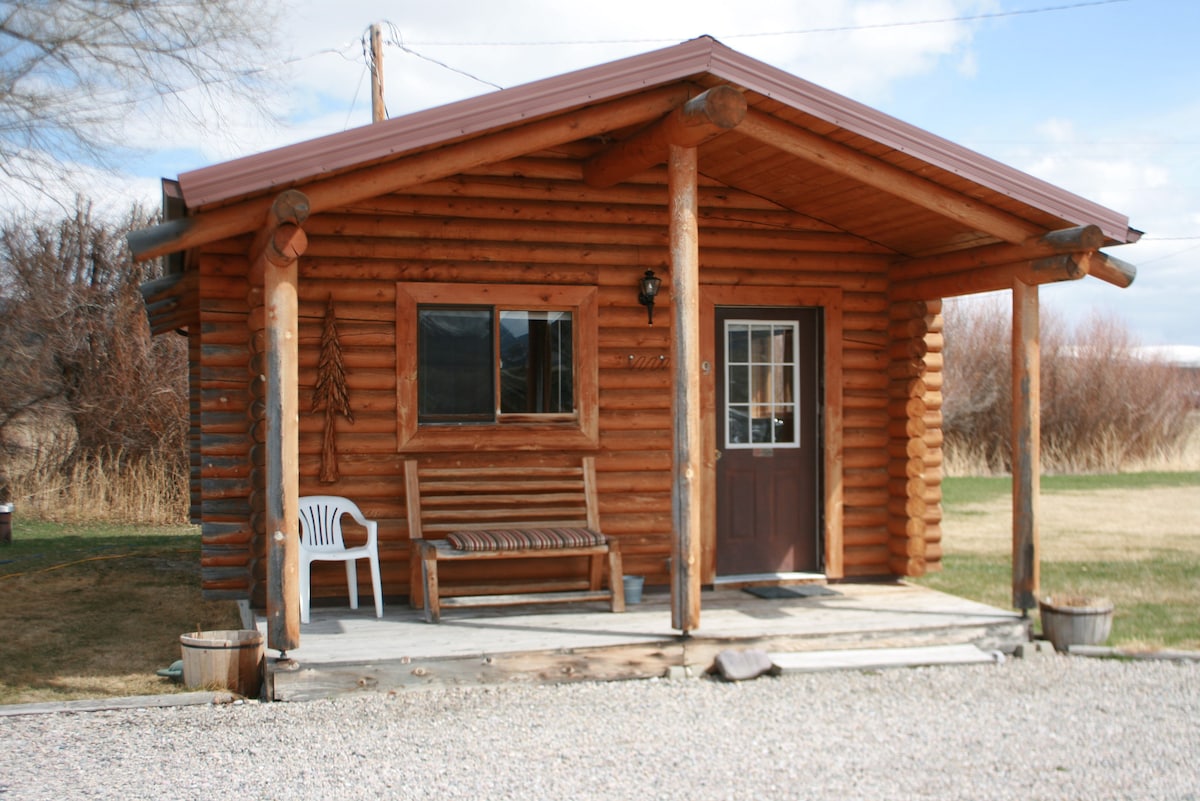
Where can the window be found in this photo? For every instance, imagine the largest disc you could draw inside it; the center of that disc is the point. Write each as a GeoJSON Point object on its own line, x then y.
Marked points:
{"type": "Point", "coordinates": [478, 364]}
{"type": "Point", "coordinates": [503, 366]}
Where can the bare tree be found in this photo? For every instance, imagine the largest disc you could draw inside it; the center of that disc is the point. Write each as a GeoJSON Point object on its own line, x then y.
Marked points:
{"type": "Point", "coordinates": [73, 71]}
{"type": "Point", "coordinates": [75, 341]}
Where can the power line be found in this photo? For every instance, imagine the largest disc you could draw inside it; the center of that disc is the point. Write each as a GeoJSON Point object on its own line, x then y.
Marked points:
{"type": "Point", "coordinates": [802, 31]}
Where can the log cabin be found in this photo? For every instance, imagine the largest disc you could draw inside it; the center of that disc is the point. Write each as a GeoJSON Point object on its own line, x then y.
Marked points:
{"type": "Point", "coordinates": [479, 279]}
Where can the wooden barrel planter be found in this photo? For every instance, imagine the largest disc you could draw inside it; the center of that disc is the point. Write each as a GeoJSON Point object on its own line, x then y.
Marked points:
{"type": "Point", "coordinates": [1074, 620]}
{"type": "Point", "coordinates": [229, 659]}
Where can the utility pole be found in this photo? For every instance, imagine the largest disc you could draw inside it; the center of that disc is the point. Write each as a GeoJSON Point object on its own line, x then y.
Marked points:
{"type": "Point", "coordinates": [378, 112]}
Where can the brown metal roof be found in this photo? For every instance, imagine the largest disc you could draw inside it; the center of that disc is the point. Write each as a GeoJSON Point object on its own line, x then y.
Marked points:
{"type": "Point", "coordinates": [703, 61]}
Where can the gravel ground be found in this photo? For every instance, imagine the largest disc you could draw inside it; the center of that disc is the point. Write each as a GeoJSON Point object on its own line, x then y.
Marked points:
{"type": "Point", "coordinates": [1047, 728]}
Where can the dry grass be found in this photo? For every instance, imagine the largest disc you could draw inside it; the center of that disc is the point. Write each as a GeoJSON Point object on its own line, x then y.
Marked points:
{"type": "Point", "coordinates": [93, 611]}
{"type": "Point", "coordinates": [1134, 539]}
{"type": "Point", "coordinates": [108, 487]}
{"type": "Point", "coordinates": [1083, 526]}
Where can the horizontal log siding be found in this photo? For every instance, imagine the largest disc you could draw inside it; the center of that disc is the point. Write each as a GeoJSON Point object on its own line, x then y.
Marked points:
{"type": "Point", "coordinates": [195, 479]}
{"type": "Point", "coordinates": [228, 548]}
{"type": "Point", "coordinates": [533, 221]}
{"type": "Point", "coordinates": [933, 439]}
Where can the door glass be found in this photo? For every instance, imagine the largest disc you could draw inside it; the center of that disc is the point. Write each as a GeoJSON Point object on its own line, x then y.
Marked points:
{"type": "Point", "coordinates": [760, 384]}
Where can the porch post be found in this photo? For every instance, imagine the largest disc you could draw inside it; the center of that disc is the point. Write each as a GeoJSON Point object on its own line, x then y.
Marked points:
{"type": "Point", "coordinates": [685, 366]}
{"type": "Point", "coordinates": [1026, 445]}
{"type": "Point", "coordinates": [275, 254]}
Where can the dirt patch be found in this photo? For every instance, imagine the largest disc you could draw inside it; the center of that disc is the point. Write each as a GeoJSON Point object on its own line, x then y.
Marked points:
{"type": "Point", "coordinates": [1086, 526]}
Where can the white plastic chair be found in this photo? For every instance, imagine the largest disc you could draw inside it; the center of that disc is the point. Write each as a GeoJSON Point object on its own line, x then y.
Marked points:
{"type": "Point", "coordinates": [321, 540]}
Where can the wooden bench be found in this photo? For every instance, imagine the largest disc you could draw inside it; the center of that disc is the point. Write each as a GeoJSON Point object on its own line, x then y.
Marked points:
{"type": "Point", "coordinates": [514, 512]}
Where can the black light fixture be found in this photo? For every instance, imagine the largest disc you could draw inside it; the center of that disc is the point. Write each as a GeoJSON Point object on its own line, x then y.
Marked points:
{"type": "Point", "coordinates": [648, 286]}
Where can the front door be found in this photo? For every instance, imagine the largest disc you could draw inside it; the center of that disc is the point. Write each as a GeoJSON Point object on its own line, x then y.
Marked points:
{"type": "Point", "coordinates": [768, 425]}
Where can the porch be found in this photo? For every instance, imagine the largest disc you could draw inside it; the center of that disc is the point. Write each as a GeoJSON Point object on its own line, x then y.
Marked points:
{"type": "Point", "coordinates": [344, 650]}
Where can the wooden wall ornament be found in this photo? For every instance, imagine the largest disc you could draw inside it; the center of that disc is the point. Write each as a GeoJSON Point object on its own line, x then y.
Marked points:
{"type": "Point", "coordinates": [329, 392]}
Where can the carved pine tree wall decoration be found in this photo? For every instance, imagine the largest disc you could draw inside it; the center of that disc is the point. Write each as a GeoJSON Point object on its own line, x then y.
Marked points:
{"type": "Point", "coordinates": [329, 393]}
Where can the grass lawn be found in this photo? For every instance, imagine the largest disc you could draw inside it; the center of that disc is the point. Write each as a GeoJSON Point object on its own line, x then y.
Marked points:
{"type": "Point", "coordinates": [94, 610]}
{"type": "Point", "coordinates": [1134, 539]}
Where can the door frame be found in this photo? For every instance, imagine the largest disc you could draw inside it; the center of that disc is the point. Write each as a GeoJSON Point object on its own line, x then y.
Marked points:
{"type": "Point", "coordinates": [829, 299]}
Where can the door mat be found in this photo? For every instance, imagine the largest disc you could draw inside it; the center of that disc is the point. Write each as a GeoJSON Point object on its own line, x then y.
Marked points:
{"type": "Point", "coordinates": [794, 591]}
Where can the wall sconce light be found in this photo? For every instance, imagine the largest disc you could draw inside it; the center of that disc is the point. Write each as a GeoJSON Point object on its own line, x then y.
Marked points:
{"type": "Point", "coordinates": [648, 286]}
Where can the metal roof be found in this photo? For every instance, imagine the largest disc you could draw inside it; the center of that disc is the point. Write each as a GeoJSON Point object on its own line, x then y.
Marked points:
{"type": "Point", "coordinates": [704, 61]}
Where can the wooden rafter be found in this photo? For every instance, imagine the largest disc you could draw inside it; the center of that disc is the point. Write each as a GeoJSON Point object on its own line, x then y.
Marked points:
{"type": "Point", "coordinates": [851, 163]}
{"type": "Point", "coordinates": [699, 120]}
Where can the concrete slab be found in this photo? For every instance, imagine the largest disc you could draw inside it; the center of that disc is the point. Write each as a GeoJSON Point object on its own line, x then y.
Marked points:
{"type": "Point", "coordinates": [878, 658]}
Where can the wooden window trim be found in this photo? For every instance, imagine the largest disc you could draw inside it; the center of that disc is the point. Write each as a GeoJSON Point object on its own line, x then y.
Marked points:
{"type": "Point", "coordinates": [580, 431]}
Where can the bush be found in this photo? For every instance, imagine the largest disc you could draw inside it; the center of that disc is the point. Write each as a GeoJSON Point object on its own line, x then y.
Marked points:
{"type": "Point", "coordinates": [86, 386]}
{"type": "Point", "coordinates": [1104, 407]}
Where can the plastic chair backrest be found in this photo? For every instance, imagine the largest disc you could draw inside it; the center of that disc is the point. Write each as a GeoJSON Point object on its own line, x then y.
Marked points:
{"type": "Point", "coordinates": [321, 522]}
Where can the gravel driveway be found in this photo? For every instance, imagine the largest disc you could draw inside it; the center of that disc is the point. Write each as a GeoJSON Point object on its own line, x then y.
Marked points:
{"type": "Point", "coordinates": [1046, 728]}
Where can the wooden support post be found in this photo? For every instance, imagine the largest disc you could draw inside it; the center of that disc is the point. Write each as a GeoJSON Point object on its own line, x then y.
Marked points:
{"type": "Point", "coordinates": [278, 267]}
{"type": "Point", "coordinates": [1026, 445]}
{"type": "Point", "coordinates": [686, 504]}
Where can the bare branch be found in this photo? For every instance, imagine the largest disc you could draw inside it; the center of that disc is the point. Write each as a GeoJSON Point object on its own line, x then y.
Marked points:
{"type": "Point", "coordinates": [73, 71]}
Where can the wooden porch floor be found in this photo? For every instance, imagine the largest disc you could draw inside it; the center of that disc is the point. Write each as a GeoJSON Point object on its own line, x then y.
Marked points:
{"type": "Point", "coordinates": [344, 650]}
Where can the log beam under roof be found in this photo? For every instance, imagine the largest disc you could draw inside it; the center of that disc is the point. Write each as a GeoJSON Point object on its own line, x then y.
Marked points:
{"type": "Point", "coordinates": [704, 117]}
{"type": "Point", "coordinates": [1064, 267]}
{"type": "Point", "coordinates": [1081, 240]}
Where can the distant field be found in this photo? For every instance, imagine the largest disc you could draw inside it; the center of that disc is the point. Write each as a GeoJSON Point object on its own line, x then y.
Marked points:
{"type": "Point", "coordinates": [1132, 538]}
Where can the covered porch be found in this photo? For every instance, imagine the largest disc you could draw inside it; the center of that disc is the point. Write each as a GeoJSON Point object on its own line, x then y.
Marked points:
{"type": "Point", "coordinates": [345, 650]}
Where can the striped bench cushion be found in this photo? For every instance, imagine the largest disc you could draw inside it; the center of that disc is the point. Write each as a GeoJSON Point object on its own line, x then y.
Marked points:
{"type": "Point", "coordinates": [522, 538]}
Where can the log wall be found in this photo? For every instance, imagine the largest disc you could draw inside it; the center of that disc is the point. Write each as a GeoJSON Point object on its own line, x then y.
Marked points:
{"type": "Point", "coordinates": [533, 221]}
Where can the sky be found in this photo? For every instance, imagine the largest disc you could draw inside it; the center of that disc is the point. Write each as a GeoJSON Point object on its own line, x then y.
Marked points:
{"type": "Point", "coordinates": [1101, 98]}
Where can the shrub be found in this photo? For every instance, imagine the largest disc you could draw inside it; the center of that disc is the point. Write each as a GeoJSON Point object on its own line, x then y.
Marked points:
{"type": "Point", "coordinates": [75, 342]}
{"type": "Point", "coordinates": [1104, 407]}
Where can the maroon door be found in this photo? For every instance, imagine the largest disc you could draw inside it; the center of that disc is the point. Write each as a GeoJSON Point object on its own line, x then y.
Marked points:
{"type": "Point", "coordinates": [768, 425]}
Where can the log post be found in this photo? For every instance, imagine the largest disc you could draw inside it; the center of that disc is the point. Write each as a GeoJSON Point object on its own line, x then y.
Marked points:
{"type": "Point", "coordinates": [1026, 445]}
{"type": "Point", "coordinates": [685, 362]}
{"type": "Point", "coordinates": [275, 254]}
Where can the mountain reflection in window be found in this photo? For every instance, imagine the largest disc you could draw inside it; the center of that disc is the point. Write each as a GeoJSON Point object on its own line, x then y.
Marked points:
{"type": "Point", "coordinates": [535, 362]}
{"type": "Point", "coordinates": [454, 365]}
{"type": "Point", "coordinates": [458, 363]}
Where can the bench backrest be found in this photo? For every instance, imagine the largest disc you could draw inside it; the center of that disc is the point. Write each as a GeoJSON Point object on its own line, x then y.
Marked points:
{"type": "Point", "coordinates": [445, 499]}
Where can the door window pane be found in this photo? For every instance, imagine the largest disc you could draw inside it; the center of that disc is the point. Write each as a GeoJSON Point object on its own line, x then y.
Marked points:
{"type": "Point", "coordinates": [536, 360]}
{"type": "Point", "coordinates": [455, 365]}
{"type": "Point", "coordinates": [760, 384]}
